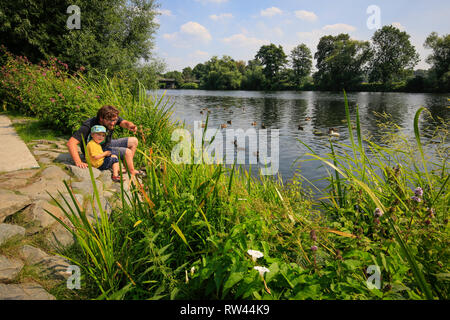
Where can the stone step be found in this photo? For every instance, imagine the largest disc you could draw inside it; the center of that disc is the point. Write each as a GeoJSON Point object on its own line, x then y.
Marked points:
{"type": "Point", "coordinates": [24, 291]}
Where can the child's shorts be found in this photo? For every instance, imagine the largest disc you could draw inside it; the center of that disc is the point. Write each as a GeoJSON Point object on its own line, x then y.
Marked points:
{"type": "Point", "coordinates": [107, 163]}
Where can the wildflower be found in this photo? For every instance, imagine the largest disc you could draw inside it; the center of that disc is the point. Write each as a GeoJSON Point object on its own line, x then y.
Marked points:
{"type": "Point", "coordinates": [44, 74]}
{"type": "Point", "coordinates": [431, 213]}
{"type": "Point", "coordinates": [314, 248]}
{"type": "Point", "coordinates": [187, 278]}
{"type": "Point", "coordinates": [192, 271]}
{"type": "Point", "coordinates": [417, 199]}
{"type": "Point", "coordinates": [82, 68]}
{"type": "Point", "coordinates": [418, 192]}
{"type": "Point", "coordinates": [378, 213]}
{"type": "Point", "coordinates": [261, 270]}
{"type": "Point", "coordinates": [255, 254]}
{"type": "Point", "coordinates": [58, 74]}
{"type": "Point", "coordinates": [52, 100]}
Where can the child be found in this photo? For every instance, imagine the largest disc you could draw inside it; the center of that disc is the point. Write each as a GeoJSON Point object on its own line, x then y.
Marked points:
{"type": "Point", "coordinates": [102, 160]}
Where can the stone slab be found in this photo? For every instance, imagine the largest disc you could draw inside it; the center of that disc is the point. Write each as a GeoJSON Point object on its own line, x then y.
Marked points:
{"type": "Point", "coordinates": [24, 291]}
{"type": "Point", "coordinates": [8, 231]}
{"type": "Point", "coordinates": [18, 156]}
{"type": "Point", "coordinates": [11, 203]}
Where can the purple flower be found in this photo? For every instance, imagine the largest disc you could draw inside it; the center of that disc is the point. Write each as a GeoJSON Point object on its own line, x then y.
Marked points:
{"type": "Point", "coordinates": [314, 248]}
{"type": "Point", "coordinates": [313, 235]}
{"type": "Point", "coordinates": [418, 192]}
{"type": "Point", "coordinates": [417, 199]}
{"type": "Point", "coordinates": [378, 213]}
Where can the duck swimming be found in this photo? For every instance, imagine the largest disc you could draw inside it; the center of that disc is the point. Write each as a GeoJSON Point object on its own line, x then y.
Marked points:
{"type": "Point", "coordinates": [333, 132]}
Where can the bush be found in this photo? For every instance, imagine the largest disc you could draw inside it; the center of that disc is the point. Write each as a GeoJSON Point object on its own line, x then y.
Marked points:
{"type": "Point", "coordinates": [189, 85]}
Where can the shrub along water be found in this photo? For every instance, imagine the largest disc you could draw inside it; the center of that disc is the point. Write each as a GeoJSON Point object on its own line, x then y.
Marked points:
{"type": "Point", "coordinates": [211, 232]}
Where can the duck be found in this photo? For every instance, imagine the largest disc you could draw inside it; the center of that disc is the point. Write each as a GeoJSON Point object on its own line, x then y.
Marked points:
{"type": "Point", "coordinates": [235, 142]}
{"type": "Point", "coordinates": [308, 119]}
{"type": "Point", "coordinates": [254, 123]}
{"type": "Point", "coordinates": [333, 132]}
{"type": "Point", "coordinates": [300, 128]}
{"type": "Point", "coordinates": [263, 126]}
{"type": "Point", "coordinates": [203, 125]}
{"type": "Point", "coordinates": [201, 112]}
{"type": "Point", "coordinates": [317, 132]}
{"type": "Point", "coordinates": [229, 122]}
{"type": "Point", "coordinates": [223, 126]}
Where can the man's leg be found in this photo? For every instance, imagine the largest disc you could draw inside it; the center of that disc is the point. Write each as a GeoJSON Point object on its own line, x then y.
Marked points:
{"type": "Point", "coordinates": [125, 148]}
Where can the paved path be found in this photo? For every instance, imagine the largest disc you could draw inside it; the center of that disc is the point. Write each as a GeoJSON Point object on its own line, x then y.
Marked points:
{"type": "Point", "coordinates": [15, 155]}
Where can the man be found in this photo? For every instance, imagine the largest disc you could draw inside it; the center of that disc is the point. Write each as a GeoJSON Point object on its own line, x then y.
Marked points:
{"type": "Point", "coordinates": [124, 148]}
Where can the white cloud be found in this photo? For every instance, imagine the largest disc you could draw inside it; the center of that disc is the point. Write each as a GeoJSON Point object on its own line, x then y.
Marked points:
{"type": "Point", "coordinates": [270, 12]}
{"type": "Point", "coordinates": [306, 15]}
{"type": "Point", "coordinates": [164, 12]}
{"type": "Point", "coordinates": [199, 55]}
{"type": "Point", "coordinates": [339, 28]}
{"type": "Point", "coordinates": [195, 29]}
{"type": "Point", "coordinates": [241, 40]}
{"type": "Point", "coordinates": [221, 16]}
{"type": "Point", "coordinates": [190, 33]}
{"type": "Point", "coordinates": [398, 25]}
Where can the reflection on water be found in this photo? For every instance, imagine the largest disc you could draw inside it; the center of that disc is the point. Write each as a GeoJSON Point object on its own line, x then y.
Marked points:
{"type": "Point", "coordinates": [299, 115]}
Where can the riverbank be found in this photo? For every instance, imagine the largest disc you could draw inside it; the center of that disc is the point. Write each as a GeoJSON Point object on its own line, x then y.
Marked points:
{"type": "Point", "coordinates": [32, 242]}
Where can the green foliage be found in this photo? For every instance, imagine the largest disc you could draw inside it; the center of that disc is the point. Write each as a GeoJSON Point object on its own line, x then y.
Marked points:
{"type": "Point", "coordinates": [439, 60]}
{"type": "Point", "coordinates": [301, 60]}
{"type": "Point", "coordinates": [340, 62]}
{"type": "Point", "coordinates": [273, 59]}
{"type": "Point", "coordinates": [393, 53]}
{"type": "Point", "coordinates": [114, 35]}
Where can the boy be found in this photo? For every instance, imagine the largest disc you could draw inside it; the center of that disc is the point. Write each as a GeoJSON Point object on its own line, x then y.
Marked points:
{"type": "Point", "coordinates": [99, 159]}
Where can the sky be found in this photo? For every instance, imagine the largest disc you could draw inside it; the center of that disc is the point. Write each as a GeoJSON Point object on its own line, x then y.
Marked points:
{"type": "Point", "coordinates": [193, 31]}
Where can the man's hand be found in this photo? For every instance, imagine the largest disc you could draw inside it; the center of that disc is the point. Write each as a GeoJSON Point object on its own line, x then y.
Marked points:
{"type": "Point", "coordinates": [107, 153]}
{"type": "Point", "coordinates": [132, 127]}
{"type": "Point", "coordinates": [82, 165]}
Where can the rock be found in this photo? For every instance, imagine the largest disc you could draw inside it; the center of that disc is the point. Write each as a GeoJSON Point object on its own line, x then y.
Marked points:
{"type": "Point", "coordinates": [32, 255]}
{"type": "Point", "coordinates": [83, 174]}
{"type": "Point", "coordinates": [37, 214]}
{"type": "Point", "coordinates": [86, 187]}
{"type": "Point", "coordinates": [9, 268]}
{"type": "Point", "coordinates": [38, 189]}
{"type": "Point", "coordinates": [43, 142]}
{"type": "Point", "coordinates": [48, 154]}
{"type": "Point", "coordinates": [60, 237]}
{"type": "Point", "coordinates": [13, 184]}
{"type": "Point", "coordinates": [11, 203]}
{"type": "Point", "coordinates": [44, 160]}
{"type": "Point", "coordinates": [54, 173]}
{"type": "Point", "coordinates": [9, 231]}
{"type": "Point", "coordinates": [106, 206]}
{"type": "Point", "coordinates": [79, 199]}
{"type": "Point", "coordinates": [24, 291]}
{"type": "Point", "coordinates": [55, 267]}
{"type": "Point", "coordinates": [20, 174]}
{"type": "Point", "coordinates": [65, 158]}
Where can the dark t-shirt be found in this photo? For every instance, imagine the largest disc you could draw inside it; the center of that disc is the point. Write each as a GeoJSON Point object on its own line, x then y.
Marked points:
{"type": "Point", "coordinates": [85, 132]}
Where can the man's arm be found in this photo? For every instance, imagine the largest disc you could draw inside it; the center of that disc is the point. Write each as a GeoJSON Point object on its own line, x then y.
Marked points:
{"type": "Point", "coordinates": [72, 145]}
{"type": "Point", "coordinates": [128, 125]}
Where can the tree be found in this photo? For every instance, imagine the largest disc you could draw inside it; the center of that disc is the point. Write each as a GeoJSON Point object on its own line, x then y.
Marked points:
{"type": "Point", "coordinates": [273, 59]}
{"type": "Point", "coordinates": [114, 34]}
{"type": "Point", "coordinates": [341, 62]}
{"type": "Point", "coordinates": [188, 75]}
{"type": "Point", "coordinates": [393, 53]}
{"type": "Point", "coordinates": [301, 61]}
{"type": "Point", "coordinates": [253, 78]}
{"type": "Point", "coordinates": [439, 60]}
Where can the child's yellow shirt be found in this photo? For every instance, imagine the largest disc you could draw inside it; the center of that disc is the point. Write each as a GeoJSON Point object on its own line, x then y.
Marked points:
{"type": "Point", "coordinates": [94, 149]}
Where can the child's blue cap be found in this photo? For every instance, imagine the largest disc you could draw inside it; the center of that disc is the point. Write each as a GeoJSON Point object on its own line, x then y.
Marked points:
{"type": "Point", "coordinates": [97, 128]}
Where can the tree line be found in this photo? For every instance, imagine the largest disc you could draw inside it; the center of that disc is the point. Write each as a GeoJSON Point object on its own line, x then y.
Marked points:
{"type": "Point", "coordinates": [386, 63]}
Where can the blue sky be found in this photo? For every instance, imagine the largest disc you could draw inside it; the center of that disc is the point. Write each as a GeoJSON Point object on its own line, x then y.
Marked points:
{"type": "Point", "coordinates": [192, 31]}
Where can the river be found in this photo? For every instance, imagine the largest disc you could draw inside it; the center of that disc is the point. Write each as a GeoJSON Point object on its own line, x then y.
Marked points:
{"type": "Point", "coordinates": [301, 116]}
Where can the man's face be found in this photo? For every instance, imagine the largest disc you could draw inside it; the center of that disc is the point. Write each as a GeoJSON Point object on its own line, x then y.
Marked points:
{"type": "Point", "coordinates": [109, 123]}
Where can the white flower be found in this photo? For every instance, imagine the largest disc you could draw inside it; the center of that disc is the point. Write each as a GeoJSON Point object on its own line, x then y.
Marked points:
{"type": "Point", "coordinates": [255, 254]}
{"type": "Point", "coordinates": [261, 270]}
{"type": "Point", "coordinates": [192, 271]}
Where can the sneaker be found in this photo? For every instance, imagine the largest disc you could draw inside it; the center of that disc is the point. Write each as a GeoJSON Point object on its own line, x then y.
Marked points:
{"type": "Point", "coordinates": [115, 178]}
